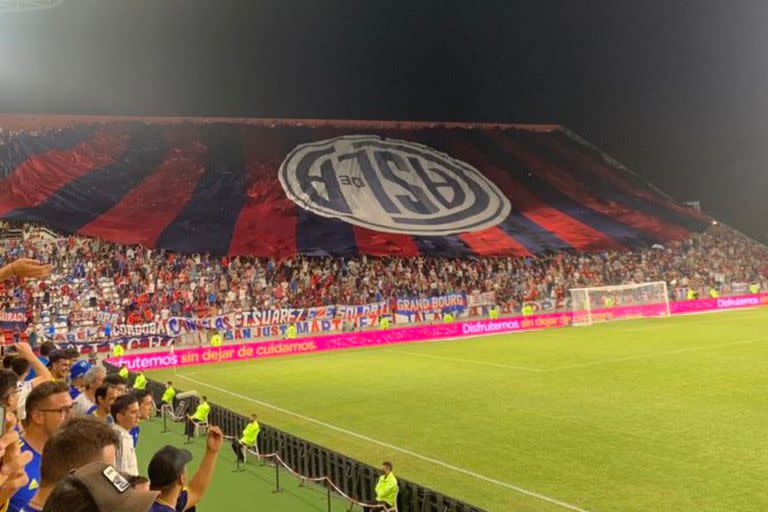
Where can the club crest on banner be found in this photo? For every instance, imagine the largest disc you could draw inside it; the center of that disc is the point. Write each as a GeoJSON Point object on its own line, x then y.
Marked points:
{"type": "Point", "coordinates": [391, 185]}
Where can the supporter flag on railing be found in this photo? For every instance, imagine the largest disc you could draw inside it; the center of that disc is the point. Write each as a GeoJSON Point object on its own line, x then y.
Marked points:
{"type": "Point", "coordinates": [276, 189]}
{"type": "Point", "coordinates": [14, 318]}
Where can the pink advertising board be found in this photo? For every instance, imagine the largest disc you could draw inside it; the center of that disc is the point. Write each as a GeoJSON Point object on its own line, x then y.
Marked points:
{"type": "Point", "coordinates": [258, 350]}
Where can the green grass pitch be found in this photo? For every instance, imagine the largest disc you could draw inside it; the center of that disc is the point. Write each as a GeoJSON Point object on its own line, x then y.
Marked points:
{"type": "Point", "coordinates": [646, 415]}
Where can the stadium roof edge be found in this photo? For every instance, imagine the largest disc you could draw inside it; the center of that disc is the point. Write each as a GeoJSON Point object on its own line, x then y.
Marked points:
{"type": "Point", "coordinates": [40, 121]}
{"type": "Point", "coordinates": [613, 162]}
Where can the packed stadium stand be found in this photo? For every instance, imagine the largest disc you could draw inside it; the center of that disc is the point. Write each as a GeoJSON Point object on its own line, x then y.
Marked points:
{"type": "Point", "coordinates": [173, 217]}
{"type": "Point", "coordinates": [149, 223]}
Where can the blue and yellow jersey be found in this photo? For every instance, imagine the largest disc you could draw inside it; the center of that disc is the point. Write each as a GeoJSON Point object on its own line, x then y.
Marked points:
{"type": "Point", "coordinates": [24, 495]}
{"type": "Point", "coordinates": [135, 431]}
{"type": "Point", "coordinates": [181, 505]}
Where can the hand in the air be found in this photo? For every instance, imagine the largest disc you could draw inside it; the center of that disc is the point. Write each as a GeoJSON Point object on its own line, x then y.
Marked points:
{"type": "Point", "coordinates": [25, 267]}
{"type": "Point", "coordinates": [215, 439]}
{"type": "Point", "coordinates": [12, 475]}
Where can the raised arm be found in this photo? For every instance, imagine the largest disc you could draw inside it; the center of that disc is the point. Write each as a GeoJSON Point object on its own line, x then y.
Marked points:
{"type": "Point", "coordinates": [25, 267]}
{"type": "Point", "coordinates": [202, 479]}
{"type": "Point", "coordinates": [41, 371]}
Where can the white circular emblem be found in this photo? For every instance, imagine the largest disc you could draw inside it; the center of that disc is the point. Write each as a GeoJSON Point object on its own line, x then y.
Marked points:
{"type": "Point", "coordinates": [391, 185]}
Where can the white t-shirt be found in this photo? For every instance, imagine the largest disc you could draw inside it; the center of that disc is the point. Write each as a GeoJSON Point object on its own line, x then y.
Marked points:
{"type": "Point", "coordinates": [25, 388]}
{"type": "Point", "coordinates": [125, 458]}
{"type": "Point", "coordinates": [81, 405]}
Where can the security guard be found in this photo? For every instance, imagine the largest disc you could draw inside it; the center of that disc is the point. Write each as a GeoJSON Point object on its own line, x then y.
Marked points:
{"type": "Point", "coordinates": [387, 488]}
{"type": "Point", "coordinates": [200, 416]}
{"type": "Point", "coordinates": [248, 439]}
{"type": "Point", "coordinates": [168, 396]}
{"type": "Point", "coordinates": [141, 382]}
{"type": "Point", "coordinates": [118, 350]}
{"type": "Point", "coordinates": [493, 313]}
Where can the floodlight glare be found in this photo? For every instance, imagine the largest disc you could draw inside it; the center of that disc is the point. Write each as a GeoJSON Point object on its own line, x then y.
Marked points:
{"type": "Point", "coordinates": [26, 5]}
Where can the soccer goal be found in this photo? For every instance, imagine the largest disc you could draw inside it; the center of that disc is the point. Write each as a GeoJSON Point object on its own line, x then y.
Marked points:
{"type": "Point", "coordinates": [608, 303]}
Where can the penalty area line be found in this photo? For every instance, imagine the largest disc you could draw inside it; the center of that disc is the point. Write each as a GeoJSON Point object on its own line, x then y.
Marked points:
{"type": "Point", "coordinates": [436, 462]}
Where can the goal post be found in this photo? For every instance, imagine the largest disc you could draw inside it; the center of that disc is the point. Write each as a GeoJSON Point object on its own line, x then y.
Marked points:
{"type": "Point", "coordinates": [608, 303]}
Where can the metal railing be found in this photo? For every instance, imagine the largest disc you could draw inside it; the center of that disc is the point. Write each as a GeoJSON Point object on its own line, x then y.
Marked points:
{"type": "Point", "coordinates": [352, 477]}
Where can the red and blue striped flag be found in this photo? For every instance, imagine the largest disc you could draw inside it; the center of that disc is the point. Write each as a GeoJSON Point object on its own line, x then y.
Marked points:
{"type": "Point", "coordinates": [267, 188]}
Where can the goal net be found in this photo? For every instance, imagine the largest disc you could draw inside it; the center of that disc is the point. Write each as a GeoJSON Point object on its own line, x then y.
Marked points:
{"type": "Point", "coordinates": [608, 303]}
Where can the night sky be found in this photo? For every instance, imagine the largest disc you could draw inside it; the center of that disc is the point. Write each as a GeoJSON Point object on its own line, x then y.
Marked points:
{"type": "Point", "coordinates": [676, 90]}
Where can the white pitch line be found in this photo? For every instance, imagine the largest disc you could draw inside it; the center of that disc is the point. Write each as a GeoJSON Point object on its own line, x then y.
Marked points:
{"type": "Point", "coordinates": [458, 469]}
{"type": "Point", "coordinates": [653, 354]}
{"type": "Point", "coordinates": [581, 365]}
{"type": "Point", "coordinates": [470, 361]}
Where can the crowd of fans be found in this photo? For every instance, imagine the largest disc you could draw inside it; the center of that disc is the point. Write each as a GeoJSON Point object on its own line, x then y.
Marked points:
{"type": "Point", "coordinates": [138, 285]}
{"type": "Point", "coordinates": [47, 438]}
{"type": "Point", "coordinates": [70, 430]}
{"type": "Point", "coordinates": [71, 447]}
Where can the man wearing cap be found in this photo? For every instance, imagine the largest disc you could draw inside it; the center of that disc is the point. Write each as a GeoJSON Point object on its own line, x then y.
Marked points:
{"type": "Point", "coordinates": [168, 474]}
{"type": "Point", "coordinates": [47, 409]}
{"type": "Point", "coordinates": [98, 487]}
{"type": "Point", "coordinates": [58, 363]}
{"type": "Point", "coordinates": [76, 374]}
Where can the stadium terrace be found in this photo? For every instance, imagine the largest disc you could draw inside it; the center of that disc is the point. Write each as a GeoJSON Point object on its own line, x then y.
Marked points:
{"type": "Point", "coordinates": [356, 243]}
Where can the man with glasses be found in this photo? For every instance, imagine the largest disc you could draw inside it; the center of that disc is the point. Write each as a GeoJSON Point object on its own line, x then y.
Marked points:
{"type": "Point", "coordinates": [47, 407]}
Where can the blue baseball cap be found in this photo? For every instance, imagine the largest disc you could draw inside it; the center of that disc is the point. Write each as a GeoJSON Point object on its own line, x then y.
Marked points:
{"type": "Point", "coordinates": [79, 369]}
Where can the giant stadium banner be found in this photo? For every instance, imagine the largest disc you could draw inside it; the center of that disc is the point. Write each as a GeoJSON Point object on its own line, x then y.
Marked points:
{"type": "Point", "coordinates": [278, 188]}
